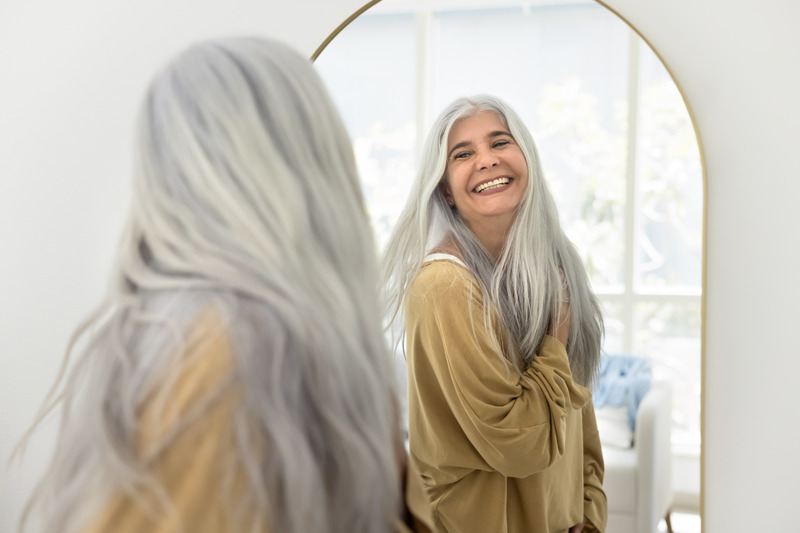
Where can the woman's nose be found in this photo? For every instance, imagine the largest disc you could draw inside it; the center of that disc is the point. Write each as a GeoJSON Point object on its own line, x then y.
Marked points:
{"type": "Point", "coordinates": [487, 159]}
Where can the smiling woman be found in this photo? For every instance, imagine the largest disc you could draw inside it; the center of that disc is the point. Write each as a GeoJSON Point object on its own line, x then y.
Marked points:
{"type": "Point", "coordinates": [502, 333]}
{"type": "Point", "coordinates": [617, 145]}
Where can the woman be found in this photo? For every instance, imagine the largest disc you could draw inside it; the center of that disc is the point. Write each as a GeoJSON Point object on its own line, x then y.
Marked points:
{"type": "Point", "coordinates": [235, 376]}
{"type": "Point", "coordinates": [502, 333]}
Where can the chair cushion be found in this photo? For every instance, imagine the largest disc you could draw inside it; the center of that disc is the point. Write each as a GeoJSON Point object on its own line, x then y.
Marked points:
{"type": "Point", "coordinates": [619, 482]}
{"type": "Point", "coordinates": [612, 424]}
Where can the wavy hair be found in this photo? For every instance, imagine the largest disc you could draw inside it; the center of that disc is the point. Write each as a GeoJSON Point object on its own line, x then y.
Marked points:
{"type": "Point", "coordinates": [246, 200]}
{"type": "Point", "coordinates": [525, 284]}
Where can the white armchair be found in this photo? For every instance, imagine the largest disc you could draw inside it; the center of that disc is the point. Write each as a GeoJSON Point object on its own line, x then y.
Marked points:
{"type": "Point", "coordinates": [638, 479]}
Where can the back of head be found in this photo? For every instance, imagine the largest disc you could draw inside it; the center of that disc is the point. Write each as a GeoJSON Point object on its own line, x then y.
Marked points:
{"type": "Point", "coordinates": [246, 198]}
{"type": "Point", "coordinates": [242, 155]}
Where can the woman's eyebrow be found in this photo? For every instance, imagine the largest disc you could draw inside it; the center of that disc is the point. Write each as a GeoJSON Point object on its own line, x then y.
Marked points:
{"type": "Point", "coordinates": [498, 133]}
{"type": "Point", "coordinates": [462, 144]}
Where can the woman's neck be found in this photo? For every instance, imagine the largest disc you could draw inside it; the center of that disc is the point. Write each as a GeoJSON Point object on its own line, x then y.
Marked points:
{"type": "Point", "coordinates": [493, 243]}
{"type": "Point", "coordinates": [492, 239]}
{"type": "Point", "coordinates": [448, 245]}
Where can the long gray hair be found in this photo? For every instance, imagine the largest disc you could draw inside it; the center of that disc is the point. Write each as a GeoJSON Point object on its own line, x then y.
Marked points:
{"type": "Point", "coordinates": [246, 200]}
{"type": "Point", "coordinates": [525, 284]}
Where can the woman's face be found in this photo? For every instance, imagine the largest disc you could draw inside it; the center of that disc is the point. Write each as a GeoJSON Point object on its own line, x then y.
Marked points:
{"type": "Point", "coordinates": [486, 173]}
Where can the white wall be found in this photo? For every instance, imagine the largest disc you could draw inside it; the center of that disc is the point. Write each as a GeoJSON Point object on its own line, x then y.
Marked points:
{"type": "Point", "coordinates": [71, 74]}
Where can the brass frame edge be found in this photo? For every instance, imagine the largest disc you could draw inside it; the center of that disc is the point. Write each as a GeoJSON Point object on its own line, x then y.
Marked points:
{"type": "Point", "coordinates": [340, 27]}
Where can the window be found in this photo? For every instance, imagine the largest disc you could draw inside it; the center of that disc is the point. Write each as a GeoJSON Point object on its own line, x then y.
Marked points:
{"type": "Point", "coordinates": [615, 138]}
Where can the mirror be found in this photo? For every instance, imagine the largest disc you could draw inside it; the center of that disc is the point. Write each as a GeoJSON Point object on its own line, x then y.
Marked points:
{"type": "Point", "coordinates": [617, 144]}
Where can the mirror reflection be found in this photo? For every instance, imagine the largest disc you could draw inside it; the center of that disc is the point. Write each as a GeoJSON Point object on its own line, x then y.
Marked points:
{"type": "Point", "coordinates": [617, 146]}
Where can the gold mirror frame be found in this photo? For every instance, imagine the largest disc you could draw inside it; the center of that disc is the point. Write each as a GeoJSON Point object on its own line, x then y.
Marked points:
{"type": "Point", "coordinates": [371, 3]}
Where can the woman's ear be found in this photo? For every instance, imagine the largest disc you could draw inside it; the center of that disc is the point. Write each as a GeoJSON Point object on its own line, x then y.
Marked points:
{"type": "Point", "coordinates": [444, 187]}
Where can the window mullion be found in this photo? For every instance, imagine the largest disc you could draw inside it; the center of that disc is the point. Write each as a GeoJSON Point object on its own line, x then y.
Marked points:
{"type": "Point", "coordinates": [628, 314]}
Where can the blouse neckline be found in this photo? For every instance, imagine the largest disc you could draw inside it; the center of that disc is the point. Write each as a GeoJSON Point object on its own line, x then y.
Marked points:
{"type": "Point", "coordinates": [445, 256]}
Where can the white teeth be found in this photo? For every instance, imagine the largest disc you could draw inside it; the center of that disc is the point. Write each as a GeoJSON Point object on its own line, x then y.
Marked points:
{"type": "Point", "coordinates": [499, 182]}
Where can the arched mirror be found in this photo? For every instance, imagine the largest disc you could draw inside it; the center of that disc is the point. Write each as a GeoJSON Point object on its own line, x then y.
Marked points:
{"type": "Point", "coordinates": [617, 144]}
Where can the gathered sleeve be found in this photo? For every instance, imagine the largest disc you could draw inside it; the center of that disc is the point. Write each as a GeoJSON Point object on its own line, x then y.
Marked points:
{"type": "Point", "coordinates": [516, 422]}
{"type": "Point", "coordinates": [595, 505]}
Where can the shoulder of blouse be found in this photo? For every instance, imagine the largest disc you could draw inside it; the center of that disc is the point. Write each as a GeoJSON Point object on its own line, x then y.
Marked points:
{"type": "Point", "coordinates": [443, 269]}
{"type": "Point", "coordinates": [205, 370]}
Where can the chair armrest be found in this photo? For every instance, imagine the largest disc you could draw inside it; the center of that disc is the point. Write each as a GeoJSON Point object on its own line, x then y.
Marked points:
{"type": "Point", "coordinates": [654, 449]}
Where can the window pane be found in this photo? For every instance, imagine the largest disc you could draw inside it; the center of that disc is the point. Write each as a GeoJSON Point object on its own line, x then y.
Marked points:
{"type": "Point", "coordinates": [669, 334]}
{"type": "Point", "coordinates": [370, 71]}
{"type": "Point", "coordinates": [614, 321]}
{"type": "Point", "coordinates": [565, 70]}
{"type": "Point", "coordinates": [670, 187]}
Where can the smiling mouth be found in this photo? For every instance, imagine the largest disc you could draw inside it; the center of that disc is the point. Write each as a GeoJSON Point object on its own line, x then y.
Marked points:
{"type": "Point", "coordinates": [494, 184]}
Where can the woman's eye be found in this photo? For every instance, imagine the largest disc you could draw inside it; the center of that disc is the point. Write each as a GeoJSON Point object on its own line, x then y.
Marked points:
{"type": "Point", "coordinates": [461, 155]}
{"type": "Point", "coordinates": [500, 144]}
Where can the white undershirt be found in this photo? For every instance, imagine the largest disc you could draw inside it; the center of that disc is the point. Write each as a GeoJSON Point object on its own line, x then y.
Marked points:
{"type": "Point", "coordinates": [450, 257]}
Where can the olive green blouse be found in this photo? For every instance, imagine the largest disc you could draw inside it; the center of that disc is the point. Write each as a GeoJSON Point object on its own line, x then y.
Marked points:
{"type": "Point", "coordinates": [191, 468]}
{"type": "Point", "coordinates": [498, 451]}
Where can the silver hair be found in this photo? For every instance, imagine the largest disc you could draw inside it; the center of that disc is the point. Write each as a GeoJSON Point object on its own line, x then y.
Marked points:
{"type": "Point", "coordinates": [247, 201]}
{"type": "Point", "coordinates": [524, 285]}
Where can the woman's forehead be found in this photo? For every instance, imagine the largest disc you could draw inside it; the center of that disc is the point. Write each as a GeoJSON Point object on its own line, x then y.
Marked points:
{"type": "Point", "coordinates": [480, 123]}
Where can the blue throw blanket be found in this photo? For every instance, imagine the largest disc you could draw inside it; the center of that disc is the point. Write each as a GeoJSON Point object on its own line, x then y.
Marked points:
{"type": "Point", "coordinates": [624, 380]}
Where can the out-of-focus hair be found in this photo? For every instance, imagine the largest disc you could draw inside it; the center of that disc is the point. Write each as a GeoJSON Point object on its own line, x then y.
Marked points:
{"type": "Point", "coordinates": [525, 284]}
{"type": "Point", "coordinates": [246, 201]}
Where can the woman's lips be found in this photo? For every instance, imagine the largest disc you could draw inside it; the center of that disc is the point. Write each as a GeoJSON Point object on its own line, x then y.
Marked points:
{"type": "Point", "coordinates": [492, 184]}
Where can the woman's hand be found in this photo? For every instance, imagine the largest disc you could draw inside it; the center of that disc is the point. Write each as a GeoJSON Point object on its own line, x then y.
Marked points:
{"type": "Point", "coordinates": [559, 326]}
{"type": "Point", "coordinates": [577, 528]}
{"type": "Point", "coordinates": [560, 330]}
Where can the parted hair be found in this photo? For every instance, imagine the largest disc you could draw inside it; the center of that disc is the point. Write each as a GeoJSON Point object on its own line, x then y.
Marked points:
{"type": "Point", "coordinates": [525, 285]}
{"type": "Point", "coordinates": [246, 201]}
